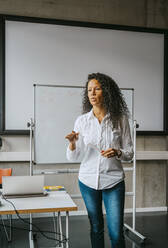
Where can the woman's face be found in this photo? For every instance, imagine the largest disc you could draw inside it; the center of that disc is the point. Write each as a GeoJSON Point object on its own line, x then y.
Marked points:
{"type": "Point", "coordinates": [95, 93]}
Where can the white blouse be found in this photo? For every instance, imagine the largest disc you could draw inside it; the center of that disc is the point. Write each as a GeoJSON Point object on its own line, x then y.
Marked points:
{"type": "Point", "coordinates": [96, 171]}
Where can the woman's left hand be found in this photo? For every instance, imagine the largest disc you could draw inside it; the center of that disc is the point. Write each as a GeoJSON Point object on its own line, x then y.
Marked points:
{"type": "Point", "coordinates": [109, 153]}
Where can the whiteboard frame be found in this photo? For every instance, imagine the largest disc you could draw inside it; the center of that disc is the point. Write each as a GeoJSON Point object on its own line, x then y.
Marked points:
{"type": "Point", "coordinates": [4, 18]}
{"type": "Point", "coordinates": [131, 119]}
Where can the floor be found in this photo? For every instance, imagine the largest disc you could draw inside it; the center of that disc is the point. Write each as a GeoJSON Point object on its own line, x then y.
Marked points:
{"type": "Point", "coordinates": [152, 225]}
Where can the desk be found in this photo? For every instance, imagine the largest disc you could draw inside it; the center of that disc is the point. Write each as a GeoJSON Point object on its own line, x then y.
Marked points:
{"type": "Point", "coordinates": [58, 201]}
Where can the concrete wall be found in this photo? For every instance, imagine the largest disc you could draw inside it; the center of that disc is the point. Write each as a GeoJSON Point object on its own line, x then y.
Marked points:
{"type": "Point", "coordinates": [151, 175]}
{"type": "Point", "coordinates": [147, 13]}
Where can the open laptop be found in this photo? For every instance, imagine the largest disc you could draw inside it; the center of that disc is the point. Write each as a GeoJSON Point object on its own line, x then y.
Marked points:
{"type": "Point", "coordinates": [22, 186]}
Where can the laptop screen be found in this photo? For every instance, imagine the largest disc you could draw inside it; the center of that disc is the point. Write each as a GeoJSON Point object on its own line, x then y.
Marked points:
{"type": "Point", "coordinates": [22, 185]}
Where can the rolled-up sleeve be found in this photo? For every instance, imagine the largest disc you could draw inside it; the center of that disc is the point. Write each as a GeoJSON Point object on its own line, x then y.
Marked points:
{"type": "Point", "coordinates": [74, 156]}
{"type": "Point", "coordinates": [126, 141]}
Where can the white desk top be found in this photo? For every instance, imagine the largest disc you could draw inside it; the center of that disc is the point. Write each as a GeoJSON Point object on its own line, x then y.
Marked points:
{"type": "Point", "coordinates": [53, 202]}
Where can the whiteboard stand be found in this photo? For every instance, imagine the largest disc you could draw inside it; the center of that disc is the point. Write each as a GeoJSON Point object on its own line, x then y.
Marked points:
{"type": "Point", "coordinates": [133, 193]}
{"type": "Point", "coordinates": [31, 127]}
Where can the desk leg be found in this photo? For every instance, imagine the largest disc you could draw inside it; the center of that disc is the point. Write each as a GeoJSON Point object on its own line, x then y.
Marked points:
{"type": "Point", "coordinates": [56, 229]}
{"type": "Point", "coordinates": [60, 230]}
{"type": "Point", "coordinates": [31, 241]}
{"type": "Point", "coordinates": [55, 226]}
{"type": "Point", "coordinates": [67, 229]}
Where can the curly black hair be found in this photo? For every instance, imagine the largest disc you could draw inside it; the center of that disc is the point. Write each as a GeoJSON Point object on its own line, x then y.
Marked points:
{"type": "Point", "coordinates": [114, 102]}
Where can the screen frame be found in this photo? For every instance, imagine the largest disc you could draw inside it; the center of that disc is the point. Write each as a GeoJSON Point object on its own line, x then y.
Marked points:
{"type": "Point", "coordinates": [4, 18]}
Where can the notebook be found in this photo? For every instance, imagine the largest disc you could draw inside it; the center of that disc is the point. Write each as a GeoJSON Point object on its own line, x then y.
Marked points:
{"type": "Point", "coordinates": [22, 186]}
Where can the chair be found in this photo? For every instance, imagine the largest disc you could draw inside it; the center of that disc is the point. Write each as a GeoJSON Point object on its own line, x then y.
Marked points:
{"type": "Point", "coordinates": [6, 172]}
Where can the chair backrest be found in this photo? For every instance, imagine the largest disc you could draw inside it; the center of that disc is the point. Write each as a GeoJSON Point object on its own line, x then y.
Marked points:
{"type": "Point", "coordinates": [5, 172]}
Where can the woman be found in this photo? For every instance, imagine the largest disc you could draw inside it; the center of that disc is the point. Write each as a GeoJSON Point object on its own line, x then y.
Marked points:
{"type": "Point", "coordinates": [102, 137]}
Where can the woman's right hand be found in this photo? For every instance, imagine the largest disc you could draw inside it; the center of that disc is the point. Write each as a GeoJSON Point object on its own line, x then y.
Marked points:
{"type": "Point", "coordinates": [72, 137]}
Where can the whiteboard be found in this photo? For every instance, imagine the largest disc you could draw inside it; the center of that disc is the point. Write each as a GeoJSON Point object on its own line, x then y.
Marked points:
{"type": "Point", "coordinates": [56, 54]}
{"type": "Point", "coordinates": [55, 110]}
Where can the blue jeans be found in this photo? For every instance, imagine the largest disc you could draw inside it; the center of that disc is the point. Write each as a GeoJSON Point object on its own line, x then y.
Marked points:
{"type": "Point", "coordinates": [114, 204]}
